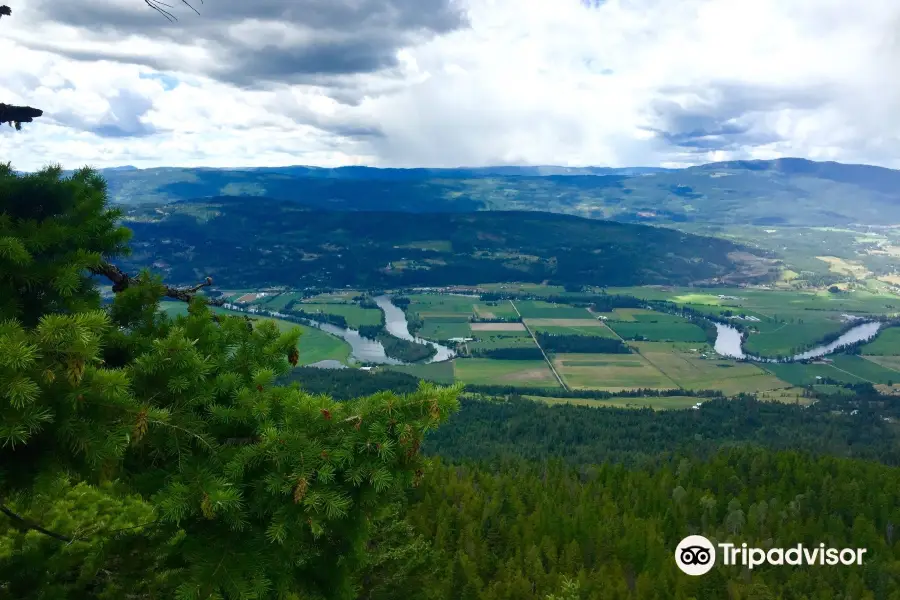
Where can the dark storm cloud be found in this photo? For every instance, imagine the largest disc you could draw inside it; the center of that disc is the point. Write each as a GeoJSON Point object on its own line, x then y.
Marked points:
{"type": "Point", "coordinates": [721, 116]}
{"type": "Point", "coordinates": [259, 41]}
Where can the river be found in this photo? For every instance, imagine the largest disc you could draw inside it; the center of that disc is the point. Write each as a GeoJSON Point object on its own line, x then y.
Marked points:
{"type": "Point", "coordinates": [396, 324]}
{"type": "Point", "coordinates": [371, 351]}
{"type": "Point", "coordinates": [728, 343]}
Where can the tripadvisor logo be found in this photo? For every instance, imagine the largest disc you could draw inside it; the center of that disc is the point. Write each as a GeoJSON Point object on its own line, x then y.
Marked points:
{"type": "Point", "coordinates": [696, 555]}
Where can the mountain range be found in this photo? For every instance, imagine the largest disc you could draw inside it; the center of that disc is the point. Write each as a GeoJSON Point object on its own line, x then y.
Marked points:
{"type": "Point", "coordinates": [778, 192]}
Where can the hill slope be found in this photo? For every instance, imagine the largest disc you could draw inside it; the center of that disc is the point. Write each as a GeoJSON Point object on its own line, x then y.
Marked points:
{"type": "Point", "coordinates": [249, 242]}
{"type": "Point", "coordinates": [785, 191]}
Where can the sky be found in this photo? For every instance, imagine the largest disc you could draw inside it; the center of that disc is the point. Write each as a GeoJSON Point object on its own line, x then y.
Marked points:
{"type": "Point", "coordinates": [446, 83]}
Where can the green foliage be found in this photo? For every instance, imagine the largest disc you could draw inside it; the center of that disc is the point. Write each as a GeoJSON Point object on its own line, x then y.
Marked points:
{"type": "Point", "coordinates": [176, 466]}
{"type": "Point", "coordinates": [514, 529]}
{"type": "Point", "coordinates": [301, 248]}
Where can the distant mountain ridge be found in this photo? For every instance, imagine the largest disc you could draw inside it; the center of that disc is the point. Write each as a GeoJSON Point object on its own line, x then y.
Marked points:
{"type": "Point", "coordinates": [262, 241]}
{"type": "Point", "coordinates": [786, 191]}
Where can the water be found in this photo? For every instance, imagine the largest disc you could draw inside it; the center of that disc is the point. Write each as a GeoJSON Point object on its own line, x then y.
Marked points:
{"type": "Point", "coordinates": [362, 349]}
{"type": "Point", "coordinates": [728, 342]}
{"type": "Point", "coordinates": [396, 324]}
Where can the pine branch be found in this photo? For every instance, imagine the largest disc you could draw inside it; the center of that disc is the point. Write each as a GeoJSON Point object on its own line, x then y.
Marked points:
{"type": "Point", "coordinates": [16, 115]}
{"type": "Point", "coordinates": [5, 11]}
{"type": "Point", "coordinates": [122, 280]}
{"type": "Point", "coordinates": [29, 524]}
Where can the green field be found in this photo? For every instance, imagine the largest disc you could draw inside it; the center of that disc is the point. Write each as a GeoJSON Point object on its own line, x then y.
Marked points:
{"type": "Point", "coordinates": [843, 368]}
{"type": "Point", "coordinates": [787, 339]}
{"type": "Point", "coordinates": [437, 305]}
{"type": "Point", "coordinates": [315, 345]}
{"type": "Point", "coordinates": [889, 362]}
{"type": "Point", "coordinates": [672, 331]}
{"type": "Point", "coordinates": [611, 372]}
{"type": "Point", "coordinates": [538, 309]}
{"type": "Point", "coordinates": [601, 331]}
{"type": "Point", "coordinates": [865, 369]}
{"type": "Point", "coordinates": [801, 374]}
{"type": "Point", "coordinates": [520, 373]}
{"type": "Point", "coordinates": [278, 302]}
{"type": "Point", "coordinates": [662, 403]}
{"type": "Point", "coordinates": [494, 310]}
{"type": "Point", "coordinates": [441, 372]}
{"type": "Point", "coordinates": [689, 370]}
{"type": "Point", "coordinates": [886, 344]}
{"type": "Point", "coordinates": [444, 330]}
{"type": "Point", "coordinates": [500, 339]}
{"type": "Point", "coordinates": [355, 314]}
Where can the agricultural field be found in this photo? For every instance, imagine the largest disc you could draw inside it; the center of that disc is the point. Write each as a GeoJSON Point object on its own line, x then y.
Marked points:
{"type": "Point", "coordinates": [441, 372]}
{"type": "Point", "coordinates": [689, 370]}
{"type": "Point", "coordinates": [500, 339]}
{"type": "Point", "coordinates": [595, 328]}
{"type": "Point", "coordinates": [842, 368]}
{"type": "Point", "coordinates": [444, 330]}
{"type": "Point", "coordinates": [659, 332]}
{"type": "Point", "coordinates": [278, 302]}
{"type": "Point", "coordinates": [888, 362]}
{"type": "Point", "coordinates": [886, 344]}
{"type": "Point", "coordinates": [482, 327]}
{"type": "Point", "coordinates": [662, 403]}
{"type": "Point", "coordinates": [520, 373]}
{"type": "Point", "coordinates": [494, 310]}
{"type": "Point", "coordinates": [355, 314]}
{"type": "Point", "coordinates": [610, 372]}
{"type": "Point", "coordinates": [430, 306]}
{"type": "Point", "coordinates": [538, 309]}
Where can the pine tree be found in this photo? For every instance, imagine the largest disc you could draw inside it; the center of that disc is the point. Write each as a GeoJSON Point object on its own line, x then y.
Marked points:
{"type": "Point", "coordinates": [157, 455]}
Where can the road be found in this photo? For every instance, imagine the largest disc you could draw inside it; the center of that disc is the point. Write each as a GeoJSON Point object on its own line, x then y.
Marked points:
{"type": "Point", "coordinates": [536, 343]}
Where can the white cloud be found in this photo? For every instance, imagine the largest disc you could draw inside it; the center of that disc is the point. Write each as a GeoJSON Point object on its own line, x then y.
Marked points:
{"type": "Point", "coordinates": [649, 82]}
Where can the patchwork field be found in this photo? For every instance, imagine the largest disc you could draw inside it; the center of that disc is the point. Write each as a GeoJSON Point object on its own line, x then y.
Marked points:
{"type": "Point", "coordinates": [689, 370]}
{"type": "Point", "coordinates": [522, 373]}
{"type": "Point", "coordinates": [611, 372]}
{"type": "Point", "coordinates": [497, 327]}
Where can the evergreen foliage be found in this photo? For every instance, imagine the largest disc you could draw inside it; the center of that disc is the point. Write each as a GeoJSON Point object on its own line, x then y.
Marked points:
{"type": "Point", "coordinates": [156, 456]}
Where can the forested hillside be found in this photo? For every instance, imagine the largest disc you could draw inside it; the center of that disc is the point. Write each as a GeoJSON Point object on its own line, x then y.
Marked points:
{"type": "Point", "coordinates": [252, 242]}
{"type": "Point", "coordinates": [514, 530]}
{"type": "Point", "coordinates": [786, 191]}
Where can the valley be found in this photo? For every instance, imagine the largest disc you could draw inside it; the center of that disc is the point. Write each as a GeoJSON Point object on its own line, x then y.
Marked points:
{"type": "Point", "coordinates": [601, 347]}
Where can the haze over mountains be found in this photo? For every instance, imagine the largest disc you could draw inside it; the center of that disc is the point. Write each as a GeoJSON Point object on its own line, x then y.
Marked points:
{"type": "Point", "coordinates": [779, 192]}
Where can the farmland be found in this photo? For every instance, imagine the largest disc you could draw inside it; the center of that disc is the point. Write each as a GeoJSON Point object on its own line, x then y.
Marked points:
{"type": "Point", "coordinates": [519, 373]}
{"type": "Point", "coordinates": [668, 352]}
{"type": "Point", "coordinates": [610, 372]}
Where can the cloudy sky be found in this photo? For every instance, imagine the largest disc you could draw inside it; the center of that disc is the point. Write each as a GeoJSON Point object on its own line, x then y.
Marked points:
{"type": "Point", "coordinates": [452, 82]}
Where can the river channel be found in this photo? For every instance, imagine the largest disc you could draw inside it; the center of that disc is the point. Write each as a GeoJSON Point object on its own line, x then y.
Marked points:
{"type": "Point", "coordinates": [728, 343]}
{"type": "Point", "coordinates": [371, 351]}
